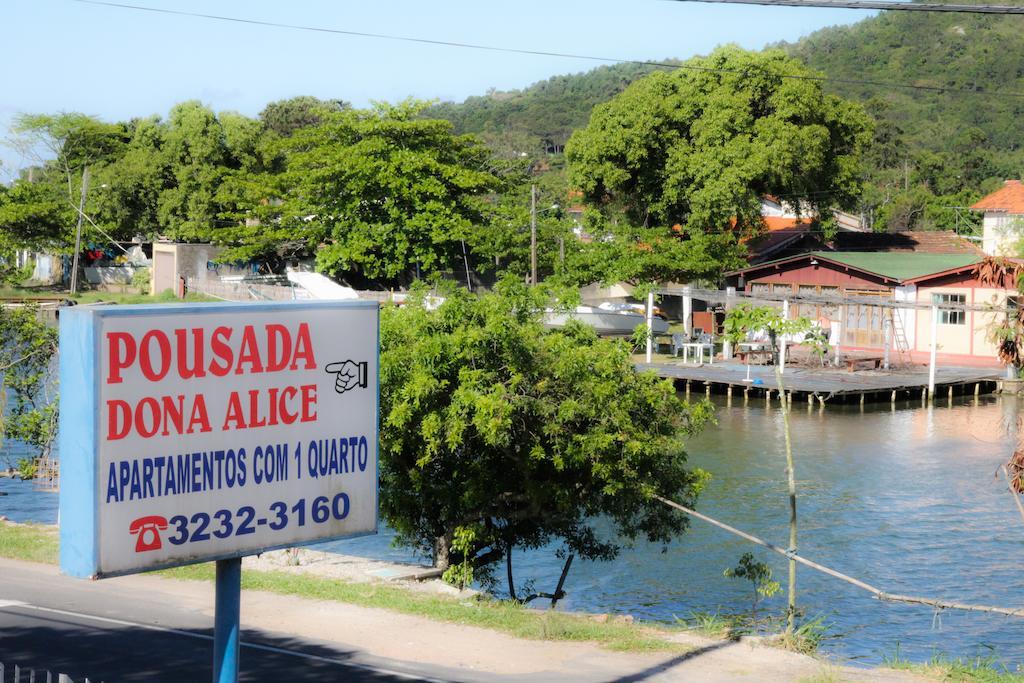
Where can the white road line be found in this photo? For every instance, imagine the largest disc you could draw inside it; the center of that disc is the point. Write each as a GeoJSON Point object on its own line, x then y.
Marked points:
{"type": "Point", "coordinates": [201, 636]}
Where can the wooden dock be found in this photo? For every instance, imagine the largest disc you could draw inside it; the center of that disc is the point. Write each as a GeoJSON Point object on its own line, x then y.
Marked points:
{"type": "Point", "coordinates": [826, 384]}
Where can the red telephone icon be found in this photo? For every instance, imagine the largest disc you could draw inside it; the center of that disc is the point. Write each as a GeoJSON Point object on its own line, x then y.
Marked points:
{"type": "Point", "coordinates": [148, 530]}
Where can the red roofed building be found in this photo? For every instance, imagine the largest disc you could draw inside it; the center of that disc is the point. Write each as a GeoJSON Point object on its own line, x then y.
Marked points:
{"type": "Point", "coordinates": [1003, 225]}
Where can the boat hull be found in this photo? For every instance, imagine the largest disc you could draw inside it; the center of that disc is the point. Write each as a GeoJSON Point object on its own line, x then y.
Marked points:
{"type": "Point", "coordinates": [605, 323]}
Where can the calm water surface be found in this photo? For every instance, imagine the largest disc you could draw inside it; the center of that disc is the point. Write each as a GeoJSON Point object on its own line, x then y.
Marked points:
{"type": "Point", "coordinates": [906, 499]}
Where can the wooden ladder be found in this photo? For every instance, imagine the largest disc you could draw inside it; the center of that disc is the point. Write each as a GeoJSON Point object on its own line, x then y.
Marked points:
{"type": "Point", "coordinates": [899, 336]}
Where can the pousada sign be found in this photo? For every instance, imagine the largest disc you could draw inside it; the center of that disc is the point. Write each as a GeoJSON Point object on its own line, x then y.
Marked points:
{"type": "Point", "coordinates": [191, 433]}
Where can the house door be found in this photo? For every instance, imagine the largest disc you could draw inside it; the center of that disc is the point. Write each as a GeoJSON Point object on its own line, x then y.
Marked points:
{"type": "Point", "coordinates": [863, 322]}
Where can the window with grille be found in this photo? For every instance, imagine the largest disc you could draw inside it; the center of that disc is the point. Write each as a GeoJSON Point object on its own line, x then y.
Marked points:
{"type": "Point", "coordinates": [947, 317]}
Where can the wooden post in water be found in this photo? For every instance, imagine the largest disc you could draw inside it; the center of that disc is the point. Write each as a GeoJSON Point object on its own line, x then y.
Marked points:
{"type": "Point", "coordinates": [707, 389]}
{"type": "Point", "coordinates": [893, 398]}
{"type": "Point", "coordinates": [977, 389]}
{"type": "Point", "coordinates": [931, 358]}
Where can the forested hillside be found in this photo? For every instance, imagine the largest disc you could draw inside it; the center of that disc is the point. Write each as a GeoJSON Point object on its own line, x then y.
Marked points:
{"type": "Point", "coordinates": [933, 150]}
{"type": "Point", "coordinates": [945, 147]}
{"type": "Point", "coordinates": [546, 112]}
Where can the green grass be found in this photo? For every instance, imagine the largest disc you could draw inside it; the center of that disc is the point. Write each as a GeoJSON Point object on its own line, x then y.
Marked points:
{"type": "Point", "coordinates": [38, 543]}
{"type": "Point", "coordinates": [94, 296]}
{"type": "Point", "coordinates": [166, 297]}
{"type": "Point", "coordinates": [806, 638]}
{"type": "Point", "coordinates": [481, 612]}
{"type": "Point", "coordinates": [716, 625]}
{"type": "Point", "coordinates": [32, 542]}
{"type": "Point", "coordinates": [961, 670]}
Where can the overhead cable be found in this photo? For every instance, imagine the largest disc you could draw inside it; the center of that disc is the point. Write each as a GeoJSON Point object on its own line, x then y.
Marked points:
{"type": "Point", "coordinates": [878, 5]}
{"type": "Point", "coordinates": [545, 53]}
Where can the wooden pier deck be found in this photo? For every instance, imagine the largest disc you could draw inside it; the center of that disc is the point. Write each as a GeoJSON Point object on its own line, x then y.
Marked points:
{"type": "Point", "coordinates": [827, 384]}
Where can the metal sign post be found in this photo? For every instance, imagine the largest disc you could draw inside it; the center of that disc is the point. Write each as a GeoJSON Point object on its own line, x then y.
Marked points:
{"type": "Point", "coordinates": [227, 621]}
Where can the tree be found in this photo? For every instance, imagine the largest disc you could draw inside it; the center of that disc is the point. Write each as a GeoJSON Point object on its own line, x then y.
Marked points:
{"type": "Point", "coordinates": [28, 347]}
{"type": "Point", "coordinates": [380, 193]}
{"type": "Point", "coordinates": [36, 216]}
{"type": "Point", "coordinates": [284, 117]}
{"type": "Point", "coordinates": [197, 155]}
{"type": "Point", "coordinates": [490, 423]}
{"type": "Point", "coordinates": [42, 212]}
{"type": "Point", "coordinates": [740, 321]}
{"type": "Point", "coordinates": [639, 255]}
{"type": "Point", "coordinates": [701, 145]}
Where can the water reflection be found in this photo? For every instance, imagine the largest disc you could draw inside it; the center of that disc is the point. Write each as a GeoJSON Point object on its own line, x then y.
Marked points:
{"type": "Point", "coordinates": [904, 498]}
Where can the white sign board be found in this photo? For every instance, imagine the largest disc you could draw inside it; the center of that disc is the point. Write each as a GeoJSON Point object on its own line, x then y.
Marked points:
{"type": "Point", "coordinates": [201, 432]}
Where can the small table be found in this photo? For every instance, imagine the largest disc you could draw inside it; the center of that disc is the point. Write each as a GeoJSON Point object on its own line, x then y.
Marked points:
{"type": "Point", "coordinates": [852, 362]}
{"type": "Point", "coordinates": [698, 351]}
{"type": "Point", "coordinates": [753, 349]}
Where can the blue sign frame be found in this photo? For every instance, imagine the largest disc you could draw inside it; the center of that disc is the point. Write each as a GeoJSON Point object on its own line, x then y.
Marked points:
{"type": "Point", "coordinates": [79, 428]}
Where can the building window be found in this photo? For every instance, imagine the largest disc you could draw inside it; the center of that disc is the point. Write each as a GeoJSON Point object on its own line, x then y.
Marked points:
{"type": "Point", "coordinates": [947, 317]}
{"type": "Point", "coordinates": [760, 288]}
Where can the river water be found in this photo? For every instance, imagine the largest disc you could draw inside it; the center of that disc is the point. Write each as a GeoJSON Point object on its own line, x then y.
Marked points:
{"type": "Point", "coordinates": [904, 498]}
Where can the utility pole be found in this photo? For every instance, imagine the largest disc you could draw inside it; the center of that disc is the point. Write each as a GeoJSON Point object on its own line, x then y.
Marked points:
{"type": "Point", "coordinates": [78, 230]}
{"type": "Point", "coordinates": [533, 234]}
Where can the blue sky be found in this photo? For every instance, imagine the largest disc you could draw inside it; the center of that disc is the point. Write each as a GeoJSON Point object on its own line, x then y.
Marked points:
{"type": "Point", "coordinates": [62, 55]}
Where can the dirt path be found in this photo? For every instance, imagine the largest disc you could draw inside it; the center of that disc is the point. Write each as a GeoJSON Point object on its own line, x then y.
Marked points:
{"type": "Point", "coordinates": [480, 653]}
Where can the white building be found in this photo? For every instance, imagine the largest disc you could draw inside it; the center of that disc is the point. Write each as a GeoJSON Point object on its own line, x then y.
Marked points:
{"type": "Point", "coordinates": [1003, 224]}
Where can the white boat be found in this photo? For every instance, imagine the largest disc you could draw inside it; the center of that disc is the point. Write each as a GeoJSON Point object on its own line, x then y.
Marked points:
{"type": "Point", "coordinates": [605, 322]}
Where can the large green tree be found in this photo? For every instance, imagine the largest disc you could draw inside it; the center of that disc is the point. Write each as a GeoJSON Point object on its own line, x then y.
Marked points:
{"type": "Point", "coordinates": [700, 146]}
{"type": "Point", "coordinates": [377, 193]}
{"type": "Point", "coordinates": [499, 433]}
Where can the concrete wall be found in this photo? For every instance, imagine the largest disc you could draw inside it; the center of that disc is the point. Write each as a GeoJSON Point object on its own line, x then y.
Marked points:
{"type": "Point", "coordinates": [969, 339]}
{"type": "Point", "coordinates": [1001, 233]}
{"type": "Point", "coordinates": [174, 261]}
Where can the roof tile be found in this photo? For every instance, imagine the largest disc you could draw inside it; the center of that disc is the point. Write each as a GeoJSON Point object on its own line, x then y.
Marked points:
{"type": "Point", "coordinates": [1008, 198]}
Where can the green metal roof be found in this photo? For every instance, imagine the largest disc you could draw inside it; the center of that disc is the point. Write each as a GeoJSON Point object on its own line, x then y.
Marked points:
{"type": "Point", "coordinates": [899, 265]}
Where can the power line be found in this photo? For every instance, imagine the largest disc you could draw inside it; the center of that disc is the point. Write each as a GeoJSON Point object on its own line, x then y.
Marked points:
{"type": "Point", "coordinates": [560, 55]}
{"type": "Point", "coordinates": [877, 5]}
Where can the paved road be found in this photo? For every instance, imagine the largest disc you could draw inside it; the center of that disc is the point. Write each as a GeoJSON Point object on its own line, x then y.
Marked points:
{"type": "Point", "coordinates": [84, 630]}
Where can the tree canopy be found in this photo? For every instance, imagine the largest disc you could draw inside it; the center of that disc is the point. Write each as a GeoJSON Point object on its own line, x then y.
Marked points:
{"type": "Point", "coordinates": [516, 435]}
{"type": "Point", "coordinates": [701, 145]}
{"type": "Point", "coordinates": [379, 192]}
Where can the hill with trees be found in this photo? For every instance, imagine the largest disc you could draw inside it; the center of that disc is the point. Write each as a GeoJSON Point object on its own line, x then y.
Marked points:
{"type": "Point", "coordinates": [933, 150]}
{"type": "Point", "coordinates": [543, 115]}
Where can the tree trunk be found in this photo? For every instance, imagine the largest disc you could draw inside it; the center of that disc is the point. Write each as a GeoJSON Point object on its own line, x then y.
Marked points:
{"type": "Point", "coordinates": [442, 552]}
{"type": "Point", "coordinates": [508, 569]}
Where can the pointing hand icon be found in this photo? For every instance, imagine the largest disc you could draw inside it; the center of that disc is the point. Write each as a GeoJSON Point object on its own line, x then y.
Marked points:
{"type": "Point", "coordinates": [348, 375]}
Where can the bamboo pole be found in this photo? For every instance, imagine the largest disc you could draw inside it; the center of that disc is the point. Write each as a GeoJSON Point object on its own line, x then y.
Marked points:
{"type": "Point", "coordinates": [790, 475]}
{"type": "Point", "coordinates": [877, 592]}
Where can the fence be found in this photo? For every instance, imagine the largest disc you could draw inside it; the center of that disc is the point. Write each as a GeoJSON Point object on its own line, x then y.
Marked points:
{"type": "Point", "coordinates": [18, 674]}
{"type": "Point", "coordinates": [247, 289]}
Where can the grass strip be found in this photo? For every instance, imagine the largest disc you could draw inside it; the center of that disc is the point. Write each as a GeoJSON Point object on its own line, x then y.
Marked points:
{"type": "Point", "coordinates": [960, 670]}
{"type": "Point", "coordinates": [487, 613]}
{"type": "Point", "coordinates": [38, 543]}
{"type": "Point", "coordinates": [31, 542]}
